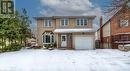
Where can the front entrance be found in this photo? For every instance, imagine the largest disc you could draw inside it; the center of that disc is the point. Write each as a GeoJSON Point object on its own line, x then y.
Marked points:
{"type": "Point", "coordinates": [63, 40]}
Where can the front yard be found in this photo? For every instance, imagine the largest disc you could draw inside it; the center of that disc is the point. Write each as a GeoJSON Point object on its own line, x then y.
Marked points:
{"type": "Point", "coordinates": [65, 60]}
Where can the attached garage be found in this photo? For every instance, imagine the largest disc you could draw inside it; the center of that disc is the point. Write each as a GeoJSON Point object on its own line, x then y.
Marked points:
{"type": "Point", "coordinates": [81, 42]}
{"type": "Point", "coordinates": [79, 39]}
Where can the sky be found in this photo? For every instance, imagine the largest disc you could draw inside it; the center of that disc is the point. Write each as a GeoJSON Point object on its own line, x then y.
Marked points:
{"type": "Point", "coordinates": [39, 8]}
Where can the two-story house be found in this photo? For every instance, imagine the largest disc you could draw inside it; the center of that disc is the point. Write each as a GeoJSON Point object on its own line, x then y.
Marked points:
{"type": "Point", "coordinates": [68, 32]}
{"type": "Point", "coordinates": [116, 31]}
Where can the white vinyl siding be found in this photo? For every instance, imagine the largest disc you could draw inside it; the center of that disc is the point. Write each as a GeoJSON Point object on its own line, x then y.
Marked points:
{"type": "Point", "coordinates": [106, 30]}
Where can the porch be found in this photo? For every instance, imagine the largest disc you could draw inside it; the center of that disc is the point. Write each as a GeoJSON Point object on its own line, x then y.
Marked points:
{"type": "Point", "coordinates": [120, 39]}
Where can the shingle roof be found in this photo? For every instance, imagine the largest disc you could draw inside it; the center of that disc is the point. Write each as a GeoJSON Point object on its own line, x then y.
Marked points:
{"type": "Point", "coordinates": [114, 12]}
{"type": "Point", "coordinates": [54, 17]}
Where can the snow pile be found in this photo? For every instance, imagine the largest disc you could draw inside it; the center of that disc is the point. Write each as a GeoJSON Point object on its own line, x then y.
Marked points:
{"type": "Point", "coordinates": [65, 60]}
{"type": "Point", "coordinates": [73, 30]}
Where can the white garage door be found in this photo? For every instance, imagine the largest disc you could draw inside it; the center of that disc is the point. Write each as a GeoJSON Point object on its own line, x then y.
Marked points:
{"type": "Point", "coordinates": [83, 42]}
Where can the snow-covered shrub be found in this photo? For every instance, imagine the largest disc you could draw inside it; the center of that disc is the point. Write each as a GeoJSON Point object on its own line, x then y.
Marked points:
{"type": "Point", "coordinates": [51, 45]}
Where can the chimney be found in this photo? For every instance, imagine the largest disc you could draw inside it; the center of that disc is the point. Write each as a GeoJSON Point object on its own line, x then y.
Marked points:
{"type": "Point", "coordinates": [101, 32]}
{"type": "Point", "coordinates": [100, 21]}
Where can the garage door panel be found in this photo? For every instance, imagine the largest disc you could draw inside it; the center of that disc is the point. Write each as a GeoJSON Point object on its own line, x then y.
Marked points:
{"type": "Point", "coordinates": [83, 42]}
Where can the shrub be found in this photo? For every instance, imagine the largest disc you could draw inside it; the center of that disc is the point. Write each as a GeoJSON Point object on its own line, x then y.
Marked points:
{"type": "Point", "coordinates": [11, 47]}
{"type": "Point", "coordinates": [47, 45]}
{"type": "Point", "coordinates": [51, 45]}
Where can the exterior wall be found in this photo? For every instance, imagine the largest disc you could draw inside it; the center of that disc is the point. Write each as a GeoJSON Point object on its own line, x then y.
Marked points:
{"type": "Point", "coordinates": [70, 39]}
{"type": "Point", "coordinates": [72, 23]}
{"type": "Point", "coordinates": [98, 35]}
{"type": "Point", "coordinates": [107, 42]}
{"type": "Point", "coordinates": [106, 30]}
{"type": "Point", "coordinates": [115, 27]}
{"type": "Point", "coordinates": [106, 35]}
{"type": "Point", "coordinates": [56, 23]}
{"type": "Point", "coordinates": [39, 32]}
{"type": "Point", "coordinates": [123, 14]}
{"type": "Point", "coordinates": [41, 29]}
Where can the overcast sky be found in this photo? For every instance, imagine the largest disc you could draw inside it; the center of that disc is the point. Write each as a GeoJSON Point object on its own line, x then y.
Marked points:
{"type": "Point", "coordinates": [62, 8]}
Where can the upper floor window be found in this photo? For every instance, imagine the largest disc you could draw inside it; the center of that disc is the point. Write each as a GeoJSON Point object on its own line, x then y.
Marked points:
{"type": "Point", "coordinates": [81, 22]}
{"type": "Point", "coordinates": [48, 23]}
{"type": "Point", "coordinates": [64, 22]}
{"type": "Point", "coordinates": [124, 23]}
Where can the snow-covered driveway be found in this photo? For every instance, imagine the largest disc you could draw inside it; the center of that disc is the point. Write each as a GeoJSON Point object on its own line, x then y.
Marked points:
{"type": "Point", "coordinates": [65, 60]}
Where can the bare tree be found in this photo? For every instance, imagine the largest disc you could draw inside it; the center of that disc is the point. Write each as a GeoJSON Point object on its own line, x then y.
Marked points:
{"type": "Point", "coordinates": [116, 4]}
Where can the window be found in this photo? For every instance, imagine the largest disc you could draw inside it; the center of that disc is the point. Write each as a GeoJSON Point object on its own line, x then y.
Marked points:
{"type": "Point", "coordinates": [48, 23]}
{"type": "Point", "coordinates": [63, 38]}
{"type": "Point", "coordinates": [48, 38]}
{"type": "Point", "coordinates": [64, 22]}
{"type": "Point", "coordinates": [7, 7]}
{"type": "Point", "coordinates": [81, 22]}
{"type": "Point", "coordinates": [124, 23]}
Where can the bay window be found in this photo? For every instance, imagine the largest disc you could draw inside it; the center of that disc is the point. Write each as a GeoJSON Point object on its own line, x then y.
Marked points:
{"type": "Point", "coordinates": [48, 38]}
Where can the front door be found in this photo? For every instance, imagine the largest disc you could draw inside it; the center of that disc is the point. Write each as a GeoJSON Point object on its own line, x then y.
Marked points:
{"type": "Point", "coordinates": [63, 40]}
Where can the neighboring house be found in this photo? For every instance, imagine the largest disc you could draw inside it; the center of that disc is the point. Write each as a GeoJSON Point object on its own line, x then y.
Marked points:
{"type": "Point", "coordinates": [116, 31]}
{"type": "Point", "coordinates": [68, 32]}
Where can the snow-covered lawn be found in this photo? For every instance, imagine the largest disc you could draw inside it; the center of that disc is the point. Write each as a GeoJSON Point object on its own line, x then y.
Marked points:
{"type": "Point", "coordinates": [65, 60]}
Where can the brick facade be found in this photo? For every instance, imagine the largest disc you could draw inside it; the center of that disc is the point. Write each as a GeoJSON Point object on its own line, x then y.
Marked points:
{"type": "Point", "coordinates": [115, 30]}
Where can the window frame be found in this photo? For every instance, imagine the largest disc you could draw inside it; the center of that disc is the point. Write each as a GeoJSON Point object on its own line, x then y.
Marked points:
{"type": "Point", "coordinates": [124, 25]}
{"type": "Point", "coordinates": [51, 36]}
{"type": "Point", "coordinates": [81, 22]}
{"type": "Point", "coordinates": [48, 23]}
{"type": "Point", "coordinates": [64, 24]}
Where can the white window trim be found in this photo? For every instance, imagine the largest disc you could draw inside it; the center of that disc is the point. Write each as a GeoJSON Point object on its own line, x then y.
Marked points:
{"type": "Point", "coordinates": [44, 36]}
{"type": "Point", "coordinates": [64, 22]}
{"type": "Point", "coordinates": [80, 22]}
{"type": "Point", "coordinates": [121, 25]}
{"type": "Point", "coordinates": [48, 25]}
{"type": "Point", "coordinates": [65, 36]}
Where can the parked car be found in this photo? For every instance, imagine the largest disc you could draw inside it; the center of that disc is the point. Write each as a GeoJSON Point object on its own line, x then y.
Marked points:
{"type": "Point", "coordinates": [124, 47]}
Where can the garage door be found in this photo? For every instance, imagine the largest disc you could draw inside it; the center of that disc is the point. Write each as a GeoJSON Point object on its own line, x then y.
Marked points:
{"type": "Point", "coordinates": [83, 42]}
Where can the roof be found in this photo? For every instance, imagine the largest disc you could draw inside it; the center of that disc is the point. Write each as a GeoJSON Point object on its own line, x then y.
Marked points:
{"type": "Point", "coordinates": [113, 13]}
{"type": "Point", "coordinates": [74, 30]}
{"type": "Point", "coordinates": [55, 17]}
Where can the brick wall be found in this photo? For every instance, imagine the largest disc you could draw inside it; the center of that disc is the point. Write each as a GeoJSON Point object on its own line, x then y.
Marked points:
{"type": "Point", "coordinates": [115, 21]}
